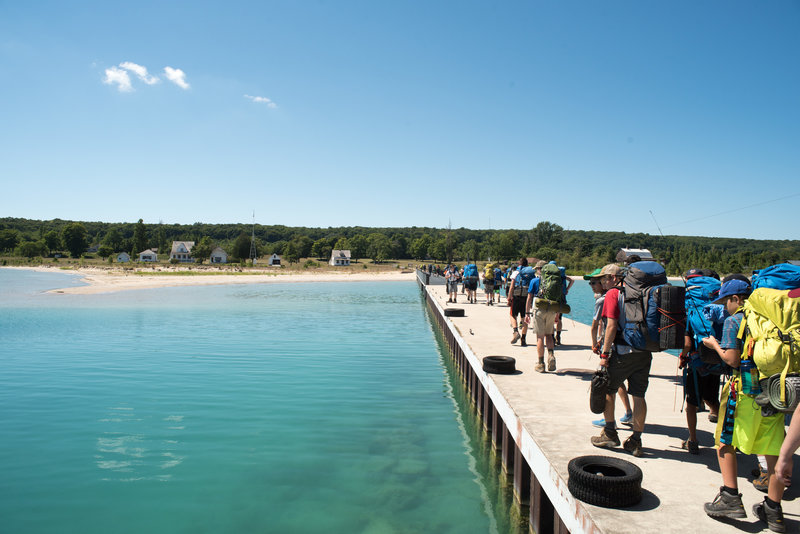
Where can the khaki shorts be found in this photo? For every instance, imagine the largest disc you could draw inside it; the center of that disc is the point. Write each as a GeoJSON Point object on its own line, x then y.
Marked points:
{"type": "Point", "coordinates": [543, 322]}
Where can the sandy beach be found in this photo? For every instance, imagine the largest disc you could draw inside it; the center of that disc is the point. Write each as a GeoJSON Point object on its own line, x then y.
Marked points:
{"type": "Point", "coordinates": [114, 280]}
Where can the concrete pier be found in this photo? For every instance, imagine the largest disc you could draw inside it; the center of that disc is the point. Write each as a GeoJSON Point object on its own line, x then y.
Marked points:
{"type": "Point", "coordinates": [539, 422]}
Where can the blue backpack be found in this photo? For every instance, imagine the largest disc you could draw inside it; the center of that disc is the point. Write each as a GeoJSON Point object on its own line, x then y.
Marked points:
{"type": "Point", "coordinates": [470, 271]}
{"type": "Point", "coordinates": [781, 276]}
{"type": "Point", "coordinates": [653, 311]}
{"type": "Point", "coordinates": [700, 293]}
{"type": "Point", "coordinates": [523, 280]}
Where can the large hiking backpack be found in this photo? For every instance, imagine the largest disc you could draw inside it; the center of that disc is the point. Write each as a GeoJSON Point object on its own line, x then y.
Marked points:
{"type": "Point", "coordinates": [523, 280]}
{"type": "Point", "coordinates": [780, 276]}
{"type": "Point", "coordinates": [488, 272]}
{"type": "Point", "coordinates": [471, 271]}
{"type": "Point", "coordinates": [551, 285]}
{"type": "Point", "coordinates": [700, 292]}
{"type": "Point", "coordinates": [770, 332]}
{"type": "Point", "coordinates": [654, 311]}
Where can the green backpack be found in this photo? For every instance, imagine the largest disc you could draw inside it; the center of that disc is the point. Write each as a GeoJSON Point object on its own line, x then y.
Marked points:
{"type": "Point", "coordinates": [551, 286]}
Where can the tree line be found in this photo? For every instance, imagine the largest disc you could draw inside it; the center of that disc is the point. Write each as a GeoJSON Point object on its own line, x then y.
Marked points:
{"type": "Point", "coordinates": [578, 250]}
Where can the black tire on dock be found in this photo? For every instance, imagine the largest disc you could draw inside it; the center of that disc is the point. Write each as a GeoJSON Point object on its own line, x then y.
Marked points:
{"type": "Point", "coordinates": [454, 312]}
{"type": "Point", "coordinates": [502, 365]}
{"type": "Point", "coordinates": [605, 481]}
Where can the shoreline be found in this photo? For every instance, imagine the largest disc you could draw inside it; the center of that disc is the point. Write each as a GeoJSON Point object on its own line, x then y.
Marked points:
{"type": "Point", "coordinates": [115, 280]}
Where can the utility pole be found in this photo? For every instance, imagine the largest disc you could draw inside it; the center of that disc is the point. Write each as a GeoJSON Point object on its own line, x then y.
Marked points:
{"type": "Point", "coordinates": [253, 252]}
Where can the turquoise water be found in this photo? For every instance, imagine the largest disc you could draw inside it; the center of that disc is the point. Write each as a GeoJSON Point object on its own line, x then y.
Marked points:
{"type": "Point", "coordinates": [321, 407]}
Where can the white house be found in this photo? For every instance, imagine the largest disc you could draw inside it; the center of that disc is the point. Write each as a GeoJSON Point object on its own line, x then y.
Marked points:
{"type": "Point", "coordinates": [625, 253]}
{"type": "Point", "coordinates": [123, 257]}
{"type": "Point", "coordinates": [182, 251]}
{"type": "Point", "coordinates": [340, 257]}
{"type": "Point", "coordinates": [219, 256]}
{"type": "Point", "coordinates": [274, 260]}
{"type": "Point", "coordinates": [148, 256]}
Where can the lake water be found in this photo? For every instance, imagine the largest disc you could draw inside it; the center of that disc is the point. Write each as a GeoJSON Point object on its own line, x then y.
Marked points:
{"type": "Point", "coordinates": [319, 407]}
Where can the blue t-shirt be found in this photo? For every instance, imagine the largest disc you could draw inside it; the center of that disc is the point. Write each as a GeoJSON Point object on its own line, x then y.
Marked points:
{"type": "Point", "coordinates": [533, 288]}
{"type": "Point", "coordinates": [729, 332]}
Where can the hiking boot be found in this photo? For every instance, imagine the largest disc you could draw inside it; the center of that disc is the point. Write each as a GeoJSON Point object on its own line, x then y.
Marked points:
{"type": "Point", "coordinates": [551, 363]}
{"type": "Point", "coordinates": [539, 367]}
{"type": "Point", "coordinates": [772, 517]}
{"type": "Point", "coordinates": [762, 482]}
{"type": "Point", "coordinates": [691, 446]}
{"type": "Point", "coordinates": [633, 446]}
{"type": "Point", "coordinates": [604, 440]}
{"type": "Point", "coordinates": [712, 418]}
{"type": "Point", "coordinates": [523, 343]}
{"type": "Point", "coordinates": [627, 419]}
{"type": "Point", "coordinates": [515, 338]}
{"type": "Point", "coordinates": [725, 505]}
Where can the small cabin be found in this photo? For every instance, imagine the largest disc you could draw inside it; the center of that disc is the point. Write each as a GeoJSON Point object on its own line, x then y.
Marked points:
{"type": "Point", "coordinates": [148, 256]}
{"type": "Point", "coordinates": [274, 261]}
{"type": "Point", "coordinates": [625, 253]}
{"type": "Point", "coordinates": [219, 256]}
{"type": "Point", "coordinates": [340, 258]}
{"type": "Point", "coordinates": [123, 257]}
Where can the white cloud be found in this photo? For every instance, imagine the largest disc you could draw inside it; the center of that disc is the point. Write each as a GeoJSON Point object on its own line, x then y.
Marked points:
{"type": "Point", "coordinates": [140, 71]}
{"type": "Point", "coordinates": [119, 77]}
{"type": "Point", "coordinates": [176, 76]}
{"type": "Point", "coordinates": [262, 100]}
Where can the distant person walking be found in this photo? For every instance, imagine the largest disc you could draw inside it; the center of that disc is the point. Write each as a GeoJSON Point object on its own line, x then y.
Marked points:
{"type": "Point", "coordinates": [452, 276]}
{"type": "Point", "coordinates": [517, 299]}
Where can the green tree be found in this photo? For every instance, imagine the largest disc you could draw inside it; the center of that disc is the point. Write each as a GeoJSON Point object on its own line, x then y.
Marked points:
{"type": "Point", "coordinates": [419, 247]}
{"type": "Point", "coordinates": [438, 249]}
{"type": "Point", "coordinates": [104, 251]}
{"type": "Point", "coordinates": [74, 238]}
{"type": "Point", "coordinates": [303, 244]}
{"type": "Point", "coordinates": [9, 239]}
{"type": "Point", "coordinates": [321, 249]}
{"type": "Point", "coordinates": [379, 248]}
{"type": "Point", "coordinates": [546, 234]}
{"type": "Point", "coordinates": [291, 252]}
{"type": "Point", "coordinates": [113, 239]}
{"type": "Point", "coordinates": [139, 238]}
{"type": "Point", "coordinates": [241, 247]}
{"type": "Point", "coordinates": [358, 247]}
{"type": "Point", "coordinates": [52, 240]}
{"type": "Point", "coordinates": [202, 249]}
{"type": "Point", "coordinates": [343, 244]}
{"type": "Point", "coordinates": [31, 249]}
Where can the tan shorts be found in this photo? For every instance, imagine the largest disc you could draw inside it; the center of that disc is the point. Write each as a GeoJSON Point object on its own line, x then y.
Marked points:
{"type": "Point", "coordinates": [543, 321]}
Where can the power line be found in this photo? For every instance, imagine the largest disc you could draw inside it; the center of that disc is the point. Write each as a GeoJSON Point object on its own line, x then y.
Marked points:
{"type": "Point", "coordinates": [732, 211]}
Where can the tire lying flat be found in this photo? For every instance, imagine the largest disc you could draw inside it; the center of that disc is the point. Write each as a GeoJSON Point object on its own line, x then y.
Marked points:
{"type": "Point", "coordinates": [454, 312]}
{"type": "Point", "coordinates": [605, 481]}
{"type": "Point", "coordinates": [502, 365]}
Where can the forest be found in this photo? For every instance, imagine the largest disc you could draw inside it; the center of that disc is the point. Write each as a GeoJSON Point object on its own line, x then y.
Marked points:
{"type": "Point", "coordinates": [578, 250]}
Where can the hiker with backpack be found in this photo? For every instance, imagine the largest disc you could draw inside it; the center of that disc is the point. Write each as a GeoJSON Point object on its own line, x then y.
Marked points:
{"type": "Point", "coordinates": [597, 333]}
{"type": "Point", "coordinates": [742, 425]}
{"type": "Point", "coordinates": [546, 291]}
{"type": "Point", "coordinates": [568, 281]}
{"type": "Point", "coordinates": [518, 296]}
{"type": "Point", "coordinates": [643, 315]}
{"type": "Point", "coordinates": [488, 283]}
{"type": "Point", "coordinates": [452, 276]}
{"type": "Point", "coordinates": [471, 282]}
{"type": "Point", "coordinates": [701, 366]}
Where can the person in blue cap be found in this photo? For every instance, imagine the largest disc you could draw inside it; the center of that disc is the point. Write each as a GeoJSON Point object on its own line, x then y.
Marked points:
{"type": "Point", "coordinates": [750, 432]}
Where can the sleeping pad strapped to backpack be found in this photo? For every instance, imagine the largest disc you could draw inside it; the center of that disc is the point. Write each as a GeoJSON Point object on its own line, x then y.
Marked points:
{"type": "Point", "coordinates": [770, 331]}
{"type": "Point", "coordinates": [700, 292]}
{"type": "Point", "coordinates": [654, 311]}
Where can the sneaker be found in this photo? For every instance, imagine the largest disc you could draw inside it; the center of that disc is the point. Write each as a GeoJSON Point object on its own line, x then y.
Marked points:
{"type": "Point", "coordinates": [772, 517]}
{"type": "Point", "coordinates": [762, 482]}
{"type": "Point", "coordinates": [523, 343]}
{"type": "Point", "coordinates": [599, 423]}
{"type": "Point", "coordinates": [691, 446]}
{"type": "Point", "coordinates": [633, 446]}
{"type": "Point", "coordinates": [605, 441]}
{"type": "Point", "coordinates": [712, 418]}
{"type": "Point", "coordinates": [725, 505]}
{"type": "Point", "coordinates": [627, 419]}
{"type": "Point", "coordinates": [515, 338]}
{"type": "Point", "coordinates": [551, 363]}
{"type": "Point", "coordinates": [539, 367]}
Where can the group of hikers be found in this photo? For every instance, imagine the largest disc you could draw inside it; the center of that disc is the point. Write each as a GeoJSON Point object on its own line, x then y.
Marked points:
{"type": "Point", "coordinates": [738, 330]}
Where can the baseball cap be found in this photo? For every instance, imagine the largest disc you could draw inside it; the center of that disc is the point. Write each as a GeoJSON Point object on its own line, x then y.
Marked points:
{"type": "Point", "coordinates": [611, 269]}
{"type": "Point", "coordinates": [592, 274]}
{"type": "Point", "coordinates": [693, 273]}
{"type": "Point", "coordinates": [732, 287]}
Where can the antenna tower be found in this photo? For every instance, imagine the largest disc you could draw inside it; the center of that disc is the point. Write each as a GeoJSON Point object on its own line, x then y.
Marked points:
{"type": "Point", "coordinates": [253, 253]}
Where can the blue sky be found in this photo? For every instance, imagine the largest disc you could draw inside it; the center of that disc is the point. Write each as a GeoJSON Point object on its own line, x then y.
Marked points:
{"type": "Point", "coordinates": [406, 113]}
